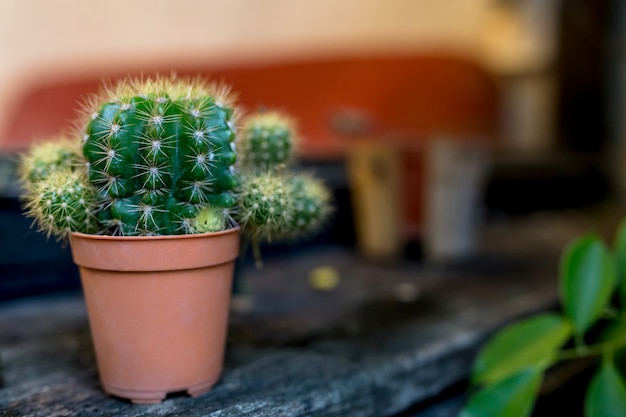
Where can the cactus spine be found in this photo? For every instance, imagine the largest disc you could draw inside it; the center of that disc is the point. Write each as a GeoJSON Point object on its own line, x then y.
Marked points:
{"type": "Point", "coordinates": [159, 151]}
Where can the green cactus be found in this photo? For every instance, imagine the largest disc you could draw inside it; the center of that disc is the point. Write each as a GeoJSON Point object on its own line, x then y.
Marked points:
{"type": "Point", "coordinates": [209, 219]}
{"type": "Point", "coordinates": [263, 206]}
{"type": "Point", "coordinates": [159, 151]}
{"type": "Point", "coordinates": [311, 206]}
{"type": "Point", "coordinates": [62, 202]}
{"type": "Point", "coordinates": [158, 158]}
{"type": "Point", "coordinates": [46, 157]}
{"type": "Point", "coordinates": [267, 141]}
{"type": "Point", "coordinates": [274, 206]}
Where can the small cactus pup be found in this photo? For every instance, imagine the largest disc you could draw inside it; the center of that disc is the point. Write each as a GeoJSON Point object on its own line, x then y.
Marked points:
{"type": "Point", "coordinates": [311, 206]}
{"type": "Point", "coordinates": [61, 203]}
{"type": "Point", "coordinates": [272, 203]}
{"type": "Point", "coordinates": [56, 193]}
{"type": "Point", "coordinates": [263, 204]}
{"type": "Point", "coordinates": [45, 157]}
{"type": "Point", "coordinates": [159, 151]}
{"type": "Point", "coordinates": [267, 140]}
{"type": "Point", "coordinates": [282, 206]}
{"type": "Point", "coordinates": [210, 219]}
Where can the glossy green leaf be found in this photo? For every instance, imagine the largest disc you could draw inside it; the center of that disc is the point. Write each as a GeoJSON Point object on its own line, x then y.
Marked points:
{"type": "Point", "coordinates": [532, 341]}
{"type": "Point", "coordinates": [511, 397]}
{"type": "Point", "coordinates": [620, 260]}
{"type": "Point", "coordinates": [606, 394]}
{"type": "Point", "coordinates": [587, 281]}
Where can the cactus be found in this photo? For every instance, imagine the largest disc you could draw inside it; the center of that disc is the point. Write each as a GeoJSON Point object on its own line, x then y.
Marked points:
{"type": "Point", "coordinates": [311, 206]}
{"type": "Point", "coordinates": [62, 202]}
{"type": "Point", "coordinates": [159, 151]}
{"type": "Point", "coordinates": [209, 219]}
{"type": "Point", "coordinates": [282, 207]}
{"type": "Point", "coordinates": [263, 206]}
{"type": "Point", "coordinates": [267, 141]}
{"type": "Point", "coordinates": [47, 157]}
{"type": "Point", "coordinates": [158, 157]}
{"type": "Point", "coordinates": [273, 204]}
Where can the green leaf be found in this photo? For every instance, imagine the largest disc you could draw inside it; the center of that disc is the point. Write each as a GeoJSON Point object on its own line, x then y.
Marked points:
{"type": "Point", "coordinates": [620, 261]}
{"type": "Point", "coordinates": [511, 397]}
{"type": "Point", "coordinates": [587, 281]}
{"type": "Point", "coordinates": [606, 395]}
{"type": "Point", "coordinates": [531, 341]}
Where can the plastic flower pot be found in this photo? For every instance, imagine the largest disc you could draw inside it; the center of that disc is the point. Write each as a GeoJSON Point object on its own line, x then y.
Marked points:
{"type": "Point", "coordinates": [158, 310]}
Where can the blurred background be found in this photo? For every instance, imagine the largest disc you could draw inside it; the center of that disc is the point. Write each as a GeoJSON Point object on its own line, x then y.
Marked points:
{"type": "Point", "coordinates": [429, 119]}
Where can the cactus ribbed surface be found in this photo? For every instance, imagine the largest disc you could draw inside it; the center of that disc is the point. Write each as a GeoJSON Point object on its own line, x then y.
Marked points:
{"type": "Point", "coordinates": [158, 152]}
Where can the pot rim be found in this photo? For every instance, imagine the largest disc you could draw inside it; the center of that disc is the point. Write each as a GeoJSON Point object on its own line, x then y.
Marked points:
{"type": "Point", "coordinates": [154, 253]}
{"type": "Point", "coordinates": [158, 237]}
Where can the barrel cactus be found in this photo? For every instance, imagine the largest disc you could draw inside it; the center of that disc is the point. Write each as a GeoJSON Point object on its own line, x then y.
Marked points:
{"type": "Point", "coordinates": [159, 157]}
{"type": "Point", "coordinates": [158, 151]}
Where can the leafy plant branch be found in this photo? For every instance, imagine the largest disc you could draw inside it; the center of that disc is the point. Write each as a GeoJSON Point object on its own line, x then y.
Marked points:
{"type": "Point", "coordinates": [508, 370]}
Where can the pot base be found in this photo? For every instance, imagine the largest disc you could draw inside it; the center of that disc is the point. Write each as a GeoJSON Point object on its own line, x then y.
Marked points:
{"type": "Point", "coordinates": [156, 397]}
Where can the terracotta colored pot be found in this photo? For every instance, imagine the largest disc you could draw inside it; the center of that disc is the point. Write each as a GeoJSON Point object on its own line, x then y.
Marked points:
{"type": "Point", "coordinates": [158, 310]}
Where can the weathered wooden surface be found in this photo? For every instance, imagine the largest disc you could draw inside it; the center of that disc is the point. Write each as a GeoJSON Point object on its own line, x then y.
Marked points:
{"type": "Point", "coordinates": [357, 350]}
